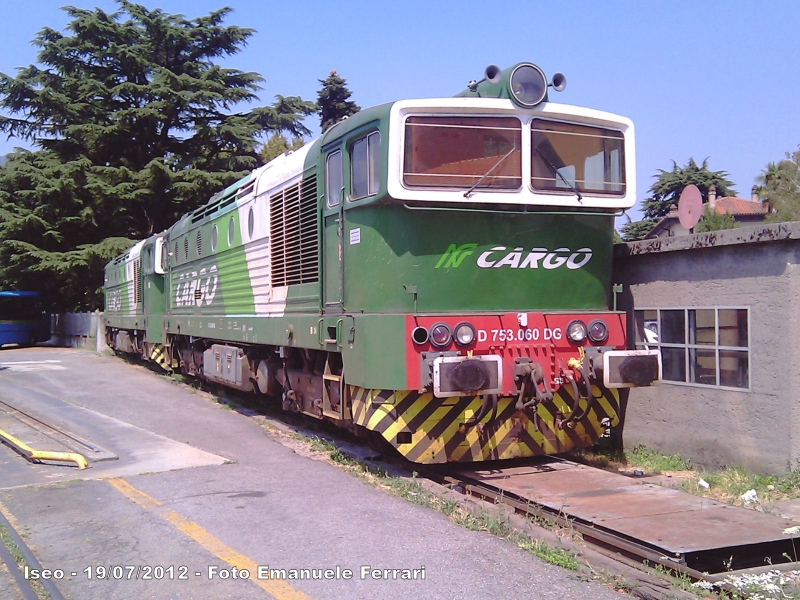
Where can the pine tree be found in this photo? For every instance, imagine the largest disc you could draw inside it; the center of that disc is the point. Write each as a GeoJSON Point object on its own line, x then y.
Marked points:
{"type": "Point", "coordinates": [277, 144]}
{"type": "Point", "coordinates": [133, 124]}
{"type": "Point", "coordinates": [333, 101]}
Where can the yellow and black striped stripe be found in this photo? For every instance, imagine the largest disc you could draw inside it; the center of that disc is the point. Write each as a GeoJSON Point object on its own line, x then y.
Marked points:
{"type": "Point", "coordinates": [436, 427]}
{"type": "Point", "coordinates": [160, 354]}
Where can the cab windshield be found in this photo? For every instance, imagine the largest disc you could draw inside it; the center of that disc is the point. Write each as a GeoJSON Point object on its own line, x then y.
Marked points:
{"type": "Point", "coordinates": [463, 152]}
{"type": "Point", "coordinates": [568, 156]}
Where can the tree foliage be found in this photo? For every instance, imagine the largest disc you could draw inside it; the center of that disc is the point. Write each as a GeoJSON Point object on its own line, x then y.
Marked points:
{"type": "Point", "coordinates": [781, 188]}
{"type": "Point", "coordinates": [277, 144]}
{"type": "Point", "coordinates": [667, 189]}
{"type": "Point", "coordinates": [636, 230]}
{"type": "Point", "coordinates": [333, 101]}
{"type": "Point", "coordinates": [134, 124]}
{"type": "Point", "coordinates": [714, 221]}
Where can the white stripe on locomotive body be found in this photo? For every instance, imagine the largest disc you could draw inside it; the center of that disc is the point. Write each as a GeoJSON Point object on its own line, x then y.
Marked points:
{"type": "Point", "coordinates": [272, 178]}
{"type": "Point", "coordinates": [129, 282]}
{"type": "Point", "coordinates": [505, 107]}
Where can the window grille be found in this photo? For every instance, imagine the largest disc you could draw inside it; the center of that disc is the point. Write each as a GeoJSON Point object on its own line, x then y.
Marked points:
{"type": "Point", "coordinates": [294, 235]}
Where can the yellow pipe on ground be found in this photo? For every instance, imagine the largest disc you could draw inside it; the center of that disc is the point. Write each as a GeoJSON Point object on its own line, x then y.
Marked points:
{"type": "Point", "coordinates": [32, 454]}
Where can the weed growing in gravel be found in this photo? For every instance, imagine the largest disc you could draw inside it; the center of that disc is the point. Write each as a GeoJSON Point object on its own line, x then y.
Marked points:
{"type": "Point", "coordinates": [731, 483]}
{"type": "Point", "coordinates": [726, 485]}
{"type": "Point", "coordinates": [653, 461]}
{"type": "Point", "coordinates": [16, 554]}
{"type": "Point", "coordinates": [773, 585]}
{"type": "Point", "coordinates": [646, 459]}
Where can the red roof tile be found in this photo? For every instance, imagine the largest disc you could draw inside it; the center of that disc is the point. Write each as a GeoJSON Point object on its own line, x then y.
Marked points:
{"type": "Point", "coordinates": [740, 206]}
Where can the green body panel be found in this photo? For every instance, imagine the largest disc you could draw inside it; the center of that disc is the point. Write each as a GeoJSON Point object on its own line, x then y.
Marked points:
{"type": "Point", "coordinates": [372, 346]}
{"type": "Point", "coordinates": [334, 237]}
{"type": "Point", "coordinates": [435, 254]}
{"type": "Point", "coordinates": [154, 298]}
{"type": "Point", "coordinates": [220, 278]}
{"type": "Point", "coordinates": [120, 309]}
{"type": "Point", "coordinates": [376, 358]}
{"type": "Point", "coordinates": [155, 301]}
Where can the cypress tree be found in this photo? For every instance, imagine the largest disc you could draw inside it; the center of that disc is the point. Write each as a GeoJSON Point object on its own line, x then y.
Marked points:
{"type": "Point", "coordinates": [333, 101]}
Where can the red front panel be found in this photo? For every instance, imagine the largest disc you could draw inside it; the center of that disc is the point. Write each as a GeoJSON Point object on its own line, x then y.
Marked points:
{"type": "Point", "coordinates": [541, 337]}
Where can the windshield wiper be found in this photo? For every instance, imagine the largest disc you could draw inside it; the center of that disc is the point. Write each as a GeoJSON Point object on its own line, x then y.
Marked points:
{"type": "Point", "coordinates": [557, 172]}
{"type": "Point", "coordinates": [468, 193]}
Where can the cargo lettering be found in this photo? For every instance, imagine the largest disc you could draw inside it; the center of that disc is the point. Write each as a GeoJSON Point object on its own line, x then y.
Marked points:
{"type": "Point", "coordinates": [114, 300]}
{"type": "Point", "coordinates": [196, 288]}
{"type": "Point", "coordinates": [516, 259]}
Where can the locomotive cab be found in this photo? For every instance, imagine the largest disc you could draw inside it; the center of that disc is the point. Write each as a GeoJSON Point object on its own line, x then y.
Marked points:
{"type": "Point", "coordinates": [485, 226]}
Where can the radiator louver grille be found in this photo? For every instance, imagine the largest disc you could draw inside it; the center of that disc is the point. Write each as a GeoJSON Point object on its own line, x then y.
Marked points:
{"type": "Point", "coordinates": [293, 234]}
{"type": "Point", "coordinates": [137, 281]}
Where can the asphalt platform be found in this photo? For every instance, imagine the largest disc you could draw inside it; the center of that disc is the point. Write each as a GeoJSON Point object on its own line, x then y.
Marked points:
{"type": "Point", "coordinates": [183, 496]}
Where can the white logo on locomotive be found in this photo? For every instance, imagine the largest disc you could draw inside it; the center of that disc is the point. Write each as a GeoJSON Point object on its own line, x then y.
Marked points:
{"type": "Point", "coordinates": [195, 288]}
{"type": "Point", "coordinates": [549, 260]}
{"type": "Point", "coordinates": [114, 300]}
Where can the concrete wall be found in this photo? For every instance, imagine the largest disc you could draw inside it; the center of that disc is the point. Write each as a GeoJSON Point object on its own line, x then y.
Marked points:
{"type": "Point", "coordinates": [756, 267]}
{"type": "Point", "coordinates": [78, 330]}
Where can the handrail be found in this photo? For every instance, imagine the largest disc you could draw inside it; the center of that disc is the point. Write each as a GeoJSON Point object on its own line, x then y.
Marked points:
{"type": "Point", "coordinates": [33, 455]}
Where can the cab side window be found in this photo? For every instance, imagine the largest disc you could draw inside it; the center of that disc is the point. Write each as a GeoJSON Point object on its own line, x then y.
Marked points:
{"type": "Point", "coordinates": [364, 161]}
{"type": "Point", "coordinates": [334, 178]}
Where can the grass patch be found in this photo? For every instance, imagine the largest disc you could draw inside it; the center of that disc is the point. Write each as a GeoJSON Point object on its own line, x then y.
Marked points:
{"type": "Point", "coordinates": [731, 483]}
{"type": "Point", "coordinates": [645, 459]}
{"type": "Point", "coordinates": [8, 542]}
{"type": "Point", "coordinates": [653, 461]}
{"type": "Point", "coordinates": [727, 485]}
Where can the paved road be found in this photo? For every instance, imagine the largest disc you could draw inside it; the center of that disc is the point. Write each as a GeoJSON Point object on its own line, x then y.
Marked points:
{"type": "Point", "coordinates": [197, 489]}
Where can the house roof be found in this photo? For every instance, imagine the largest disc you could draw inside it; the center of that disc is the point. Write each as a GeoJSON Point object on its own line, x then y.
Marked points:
{"type": "Point", "coordinates": [740, 206]}
{"type": "Point", "coordinates": [663, 224]}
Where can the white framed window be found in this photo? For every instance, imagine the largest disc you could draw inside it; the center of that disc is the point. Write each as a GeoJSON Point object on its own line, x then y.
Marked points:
{"type": "Point", "coordinates": [364, 160]}
{"type": "Point", "coordinates": [334, 178]}
{"type": "Point", "coordinates": [700, 346]}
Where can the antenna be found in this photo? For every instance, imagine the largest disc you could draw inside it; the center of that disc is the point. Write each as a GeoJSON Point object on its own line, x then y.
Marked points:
{"type": "Point", "coordinates": [690, 206]}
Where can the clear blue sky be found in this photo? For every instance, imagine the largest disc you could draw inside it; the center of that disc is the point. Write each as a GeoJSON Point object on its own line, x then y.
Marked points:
{"type": "Point", "coordinates": [716, 79]}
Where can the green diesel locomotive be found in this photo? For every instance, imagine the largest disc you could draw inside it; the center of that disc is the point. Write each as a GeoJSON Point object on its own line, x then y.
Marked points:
{"type": "Point", "coordinates": [433, 270]}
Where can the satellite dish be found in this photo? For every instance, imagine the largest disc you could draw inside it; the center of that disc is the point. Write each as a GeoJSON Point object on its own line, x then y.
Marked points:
{"type": "Point", "coordinates": [690, 206]}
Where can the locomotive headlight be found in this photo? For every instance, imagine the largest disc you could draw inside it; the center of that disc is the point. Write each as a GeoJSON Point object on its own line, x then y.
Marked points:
{"type": "Point", "coordinates": [440, 335]}
{"type": "Point", "coordinates": [576, 331]}
{"type": "Point", "coordinates": [598, 331]}
{"type": "Point", "coordinates": [464, 334]}
{"type": "Point", "coordinates": [527, 85]}
{"type": "Point", "coordinates": [419, 335]}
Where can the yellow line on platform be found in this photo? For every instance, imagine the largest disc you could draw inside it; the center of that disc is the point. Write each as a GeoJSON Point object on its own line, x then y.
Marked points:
{"type": "Point", "coordinates": [279, 590]}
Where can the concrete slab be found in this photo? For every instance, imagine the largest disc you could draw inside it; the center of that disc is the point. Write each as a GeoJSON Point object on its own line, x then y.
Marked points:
{"type": "Point", "coordinates": [137, 450]}
{"type": "Point", "coordinates": [37, 434]}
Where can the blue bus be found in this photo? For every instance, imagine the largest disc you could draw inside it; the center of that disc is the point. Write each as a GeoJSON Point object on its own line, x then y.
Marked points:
{"type": "Point", "coordinates": [22, 320]}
